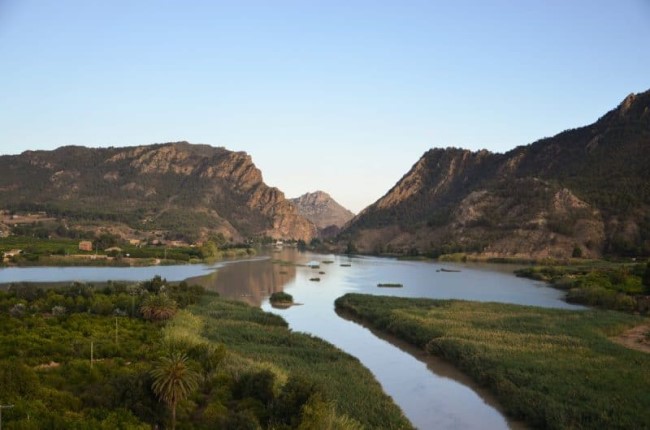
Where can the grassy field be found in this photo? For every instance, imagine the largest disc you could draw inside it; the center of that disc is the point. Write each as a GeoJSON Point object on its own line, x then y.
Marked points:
{"type": "Point", "coordinates": [52, 246]}
{"type": "Point", "coordinates": [552, 368]}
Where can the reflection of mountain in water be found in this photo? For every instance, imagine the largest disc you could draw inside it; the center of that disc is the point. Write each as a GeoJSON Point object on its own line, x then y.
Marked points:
{"type": "Point", "coordinates": [248, 281]}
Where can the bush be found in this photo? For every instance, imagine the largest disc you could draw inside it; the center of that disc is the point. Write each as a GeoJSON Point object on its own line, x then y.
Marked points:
{"type": "Point", "coordinates": [58, 311]}
{"type": "Point", "coordinates": [577, 252]}
{"type": "Point", "coordinates": [158, 307]}
{"type": "Point", "coordinates": [281, 297]}
{"type": "Point", "coordinates": [256, 385]}
{"type": "Point", "coordinates": [295, 394]}
{"type": "Point", "coordinates": [18, 310]}
{"type": "Point", "coordinates": [16, 380]}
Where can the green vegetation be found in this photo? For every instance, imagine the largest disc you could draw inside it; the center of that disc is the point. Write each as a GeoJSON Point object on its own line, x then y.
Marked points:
{"type": "Point", "coordinates": [65, 252]}
{"type": "Point", "coordinates": [297, 369]}
{"type": "Point", "coordinates": [78, 357]}
{"type": "Point", "coordinates": [174, 380]}
{"type": "Point", "coordinates": [646, 279]}
{"type": "Point", "coordinates": [281, 297]}
{"type": "Point", "coordinates": [597, 283]}
{"type": "Point", "coordinates": [552, 368]}
{"type": "Point", "coordinates": [82, 357]}
{"type": "Point", "coordinates": [158, 307]}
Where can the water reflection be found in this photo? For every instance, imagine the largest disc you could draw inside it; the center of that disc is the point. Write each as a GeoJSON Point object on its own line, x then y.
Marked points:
{"type": "Point", "coordinates": [428, 399]}
{"type": "Point", "coordinates": [250, 281]}
{"type": "Point", "coordinates": [459, 403]}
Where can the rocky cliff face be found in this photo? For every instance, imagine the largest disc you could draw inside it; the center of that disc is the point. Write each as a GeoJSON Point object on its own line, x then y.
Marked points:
{"type": "Point", "coordinates": [176, 187]}
{"type": "Point", "coordinates": [321, 209]}
{"type": "Point", "coordinates": [586, 188]}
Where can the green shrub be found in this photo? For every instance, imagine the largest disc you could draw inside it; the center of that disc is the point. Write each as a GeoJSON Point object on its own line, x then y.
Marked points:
{"type": "Point", "coordinates": [281, 297]}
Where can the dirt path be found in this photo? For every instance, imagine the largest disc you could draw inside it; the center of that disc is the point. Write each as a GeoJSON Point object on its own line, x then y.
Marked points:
{"type": "Point", "coordinates": [635, 338]}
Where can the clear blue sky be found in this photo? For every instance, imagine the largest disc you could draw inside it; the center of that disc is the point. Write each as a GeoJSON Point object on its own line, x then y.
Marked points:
{"type": "Point", "coordinates": [342, 96]}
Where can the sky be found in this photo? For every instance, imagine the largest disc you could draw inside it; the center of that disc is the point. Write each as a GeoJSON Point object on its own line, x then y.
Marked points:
{"type": "Point", "coordinates": [342, 96]}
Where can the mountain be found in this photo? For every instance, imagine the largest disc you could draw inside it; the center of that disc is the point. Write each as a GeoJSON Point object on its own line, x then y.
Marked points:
{"type": "Point", "coordinates": [178, 189]}
{"type": "Point", "coordinates": [584, 192]}
{"type": "Point", "coordinates": [321, 209]}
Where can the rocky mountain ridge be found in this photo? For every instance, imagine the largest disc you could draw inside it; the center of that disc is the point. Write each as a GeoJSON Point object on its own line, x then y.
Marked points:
{"type": "Point", "coordinates": [178, 188]}
{"type": "Point", "coordinates": [584, 192]}
{"type": "Point", "coordinates": [321, 209]}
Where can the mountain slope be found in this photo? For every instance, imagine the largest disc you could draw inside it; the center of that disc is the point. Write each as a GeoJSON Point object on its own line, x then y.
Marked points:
{"type": "Point", "coordinates": [586, 188]}
{"type": "Point", "coordinates": [174, 187]}
{"type": "Point", "coordinates": [321, 209]}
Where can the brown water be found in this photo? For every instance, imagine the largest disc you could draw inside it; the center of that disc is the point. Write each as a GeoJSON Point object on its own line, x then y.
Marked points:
{"type": "Point", "coordinates": [431, 392]}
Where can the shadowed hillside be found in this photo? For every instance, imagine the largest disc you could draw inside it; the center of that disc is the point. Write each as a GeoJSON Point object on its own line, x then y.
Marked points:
{"type": "Point", "coordinates": [584, 192]}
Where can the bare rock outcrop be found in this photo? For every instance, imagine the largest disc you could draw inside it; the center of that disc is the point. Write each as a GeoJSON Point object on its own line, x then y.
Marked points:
{"type": "Point", "coordinates": [322, 210]}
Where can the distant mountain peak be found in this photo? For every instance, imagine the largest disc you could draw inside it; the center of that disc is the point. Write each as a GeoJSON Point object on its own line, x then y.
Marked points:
{"type": "Point", "coordinates": [321, 209]}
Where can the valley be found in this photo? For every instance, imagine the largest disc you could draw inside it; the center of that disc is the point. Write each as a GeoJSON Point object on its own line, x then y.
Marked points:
{"type": "Point", "coordinates": [277, 300]}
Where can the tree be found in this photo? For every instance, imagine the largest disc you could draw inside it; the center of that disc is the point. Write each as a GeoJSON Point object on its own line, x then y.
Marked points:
{"type": "Point", "coordinates": [577, 252]}
{"type": "Point", "coordinates": [646, 278]}
{"type": "Point", "coordinates": [209, 250]}
{"type": "Point", "coordinates": [158, 307]}
{"type": "Point", "coordinates": [106, 240]}
{"type": "Point", "coordinates": [174, 380]}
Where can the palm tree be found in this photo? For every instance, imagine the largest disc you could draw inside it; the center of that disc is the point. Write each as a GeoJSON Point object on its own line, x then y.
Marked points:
{"type": "Point", "coordinates": [174, 380]}
{"type": "Point", "coordinates": [158, 307]}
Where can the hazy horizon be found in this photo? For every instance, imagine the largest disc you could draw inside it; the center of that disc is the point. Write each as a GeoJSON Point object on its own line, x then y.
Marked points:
{"type": "Point", "coordinates": [342, 97]}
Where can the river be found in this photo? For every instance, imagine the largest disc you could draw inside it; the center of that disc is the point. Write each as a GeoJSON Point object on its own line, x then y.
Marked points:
{"type": "Point", "coordinates": [432, 393]}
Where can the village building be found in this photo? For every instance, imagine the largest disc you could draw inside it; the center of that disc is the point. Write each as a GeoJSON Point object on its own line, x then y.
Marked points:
{"type": "Point", "coordinates": [85, 245]}
{"type": "Point", "coordinates": [9, 254]}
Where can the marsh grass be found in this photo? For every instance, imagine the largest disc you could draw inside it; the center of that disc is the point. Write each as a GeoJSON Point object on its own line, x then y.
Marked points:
{"type": "Point", "coordinates": [602, 284]}
{"type": "Point", "coordinates": [265, 338]}
{"type": "Point", "coordinates": [552, 368]}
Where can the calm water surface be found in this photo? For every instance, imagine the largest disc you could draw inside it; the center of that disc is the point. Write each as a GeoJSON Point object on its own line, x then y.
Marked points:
{"type": "Point", "coordinates": [101, 274]}
{"type": "Point", "coordinates": [431, 393]}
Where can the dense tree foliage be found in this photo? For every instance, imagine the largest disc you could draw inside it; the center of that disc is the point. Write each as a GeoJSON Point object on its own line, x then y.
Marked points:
{"type": "Point", "coordinates": [84, 357]}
